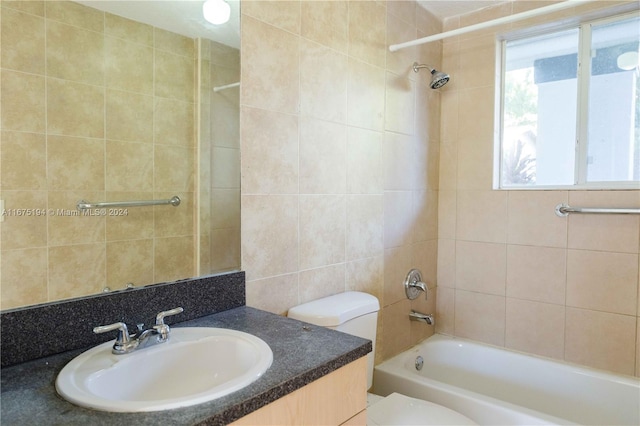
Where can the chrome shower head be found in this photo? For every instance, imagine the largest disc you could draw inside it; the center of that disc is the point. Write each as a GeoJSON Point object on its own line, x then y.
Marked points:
{"type": "Point", "coordinates": [438, 78]}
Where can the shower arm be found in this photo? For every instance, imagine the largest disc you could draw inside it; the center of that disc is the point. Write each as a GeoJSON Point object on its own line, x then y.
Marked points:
{"type": "Point", "coordinates": [417, 67]}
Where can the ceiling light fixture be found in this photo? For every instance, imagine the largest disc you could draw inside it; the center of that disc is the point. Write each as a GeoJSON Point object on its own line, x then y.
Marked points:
{"type": "Point", "coordinates": [216, 11]}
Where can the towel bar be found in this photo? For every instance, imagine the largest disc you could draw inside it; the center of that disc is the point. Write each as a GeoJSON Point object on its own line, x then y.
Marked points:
{"type": "Point", "coordinates": [85, 205]}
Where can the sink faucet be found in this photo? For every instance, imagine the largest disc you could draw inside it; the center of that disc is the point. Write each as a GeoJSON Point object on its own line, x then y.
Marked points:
{"type": "Point", "coordinates": [126, 343]}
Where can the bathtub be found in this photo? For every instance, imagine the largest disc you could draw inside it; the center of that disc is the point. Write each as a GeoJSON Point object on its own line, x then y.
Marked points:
{"type": "Point", "coordinates": [497, 386]}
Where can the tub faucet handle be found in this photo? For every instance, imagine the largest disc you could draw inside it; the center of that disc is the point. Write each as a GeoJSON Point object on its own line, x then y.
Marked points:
{"type": "Point", "coordinates": [413, 285]}
{"type": "Point", "coordinates": [422, 286]}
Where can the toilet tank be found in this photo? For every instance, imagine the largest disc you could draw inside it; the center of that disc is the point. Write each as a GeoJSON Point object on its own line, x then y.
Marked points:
{"type": "Point", "coordinates": [352, 312]}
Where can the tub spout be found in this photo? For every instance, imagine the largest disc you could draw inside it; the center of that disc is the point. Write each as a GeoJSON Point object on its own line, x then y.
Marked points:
{"type": "Point", "coordinates": [417, 316]}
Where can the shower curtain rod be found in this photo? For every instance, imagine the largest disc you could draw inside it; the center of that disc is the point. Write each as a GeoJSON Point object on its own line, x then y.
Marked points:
{"type": "Point", "coordinates": [226, 86]}
{"type": "Point", "coordinates": [499, 21]}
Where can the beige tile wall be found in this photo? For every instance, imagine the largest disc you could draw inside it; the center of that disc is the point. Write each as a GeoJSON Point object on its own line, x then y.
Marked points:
{"type": "Point", "coordinates": [339, 156]}
{"type": "Point", "coordinates": [220, 159]}
{"type": "Point", "coordinates": [95, 107]}
{"type": "Point", "coordinates": [204, 150]}
{"type": "Point", "coordinates": [225, 159]}
{"type": "Point", "coordinates": [510, 272]}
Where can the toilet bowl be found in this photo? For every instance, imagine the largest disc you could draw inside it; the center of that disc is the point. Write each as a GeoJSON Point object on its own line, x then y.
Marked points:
{"type": "Point", "coordinates": [356, 313]}
{"type": "Point", "coordinates": [401, 410]}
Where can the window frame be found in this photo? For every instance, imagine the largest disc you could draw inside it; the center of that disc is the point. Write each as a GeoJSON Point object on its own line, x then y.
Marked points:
{"type": "Point", "coordinates": [584, 27]}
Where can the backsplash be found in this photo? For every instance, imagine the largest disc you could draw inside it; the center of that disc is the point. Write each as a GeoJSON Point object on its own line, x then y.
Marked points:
{"type": "Point", "coordinates": [47, 329]}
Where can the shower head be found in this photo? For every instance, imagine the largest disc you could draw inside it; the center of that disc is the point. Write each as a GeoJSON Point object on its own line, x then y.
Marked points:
{"type": "Point", "coordinates": [438, 78]}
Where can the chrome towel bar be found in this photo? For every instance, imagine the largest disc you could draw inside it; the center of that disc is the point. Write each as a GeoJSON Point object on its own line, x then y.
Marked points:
{"type": "Point", "coordinates": [85, 205]}
{"type": "Point", "coordinates": [564, 210]}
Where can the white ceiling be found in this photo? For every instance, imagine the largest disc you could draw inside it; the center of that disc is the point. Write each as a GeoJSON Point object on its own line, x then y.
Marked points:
{"type": "Point", "coordinates": [447, 8]}
{"type": "Point", "coordinates": [178, 16]}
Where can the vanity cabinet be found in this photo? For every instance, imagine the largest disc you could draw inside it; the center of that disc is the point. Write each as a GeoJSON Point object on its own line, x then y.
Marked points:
{"type": "Point", "coordinates": [339, 398]}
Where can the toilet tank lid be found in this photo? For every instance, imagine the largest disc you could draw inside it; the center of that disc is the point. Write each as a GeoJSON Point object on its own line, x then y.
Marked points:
{"type": "Point", "coordinates": [334, 310]}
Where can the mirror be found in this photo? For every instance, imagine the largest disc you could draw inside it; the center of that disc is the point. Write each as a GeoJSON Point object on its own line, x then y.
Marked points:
{"type": "Point", "coordinates": [111, 101]}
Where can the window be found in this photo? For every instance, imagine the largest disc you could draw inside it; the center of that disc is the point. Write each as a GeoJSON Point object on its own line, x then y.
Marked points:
{"type": "Point", "coordinates": [570, 110]}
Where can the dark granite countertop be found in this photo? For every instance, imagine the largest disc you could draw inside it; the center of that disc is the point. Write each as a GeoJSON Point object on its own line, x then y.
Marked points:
{"type": "Point", "coordinates": [302, 353]}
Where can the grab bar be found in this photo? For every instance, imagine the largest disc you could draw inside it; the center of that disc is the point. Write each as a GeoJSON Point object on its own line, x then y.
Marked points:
{"type": "Point", "coordinates": [563, 210]}
{"type": "Point", "coordinates": [84, 205]}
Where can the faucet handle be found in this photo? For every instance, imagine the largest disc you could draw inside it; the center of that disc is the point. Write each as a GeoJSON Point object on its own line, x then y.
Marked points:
{"type": "Point", "coordinates": [123, 341]}
{"type": "Point", "coordinates": [161, 328]}
{"type": "Point", "coordinates": [413, 285]}
{"type": "Point", "coordinates": [123, 332]}
{"type": "Point", "coordinates": [161, 315]}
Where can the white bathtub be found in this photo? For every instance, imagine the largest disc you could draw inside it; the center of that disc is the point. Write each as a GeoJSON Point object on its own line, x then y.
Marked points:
{"type": "Point", "coordinates": [496, 386]}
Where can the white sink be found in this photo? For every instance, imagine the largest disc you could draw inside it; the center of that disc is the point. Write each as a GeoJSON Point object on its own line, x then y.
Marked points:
{"type": "Point", "coordinates": [196, 365]}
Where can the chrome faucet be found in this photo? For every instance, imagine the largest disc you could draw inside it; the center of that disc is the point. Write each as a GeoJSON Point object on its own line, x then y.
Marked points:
{"type": "Point", "coordinates": [126, 343]}
{"type": "Point", "coordinates": [417, 316]}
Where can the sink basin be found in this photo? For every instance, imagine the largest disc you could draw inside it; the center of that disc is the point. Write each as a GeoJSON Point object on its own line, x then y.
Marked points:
{"type": "Point", "coordinates": [196, 365]}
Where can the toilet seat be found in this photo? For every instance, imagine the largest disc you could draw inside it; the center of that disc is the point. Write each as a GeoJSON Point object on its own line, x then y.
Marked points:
{"type": "Point", "coordinates": [401, 410]}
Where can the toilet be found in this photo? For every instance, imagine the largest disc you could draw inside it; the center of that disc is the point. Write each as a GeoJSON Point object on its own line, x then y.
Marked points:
{"type": "Point", "coordinates": [356, 313]}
